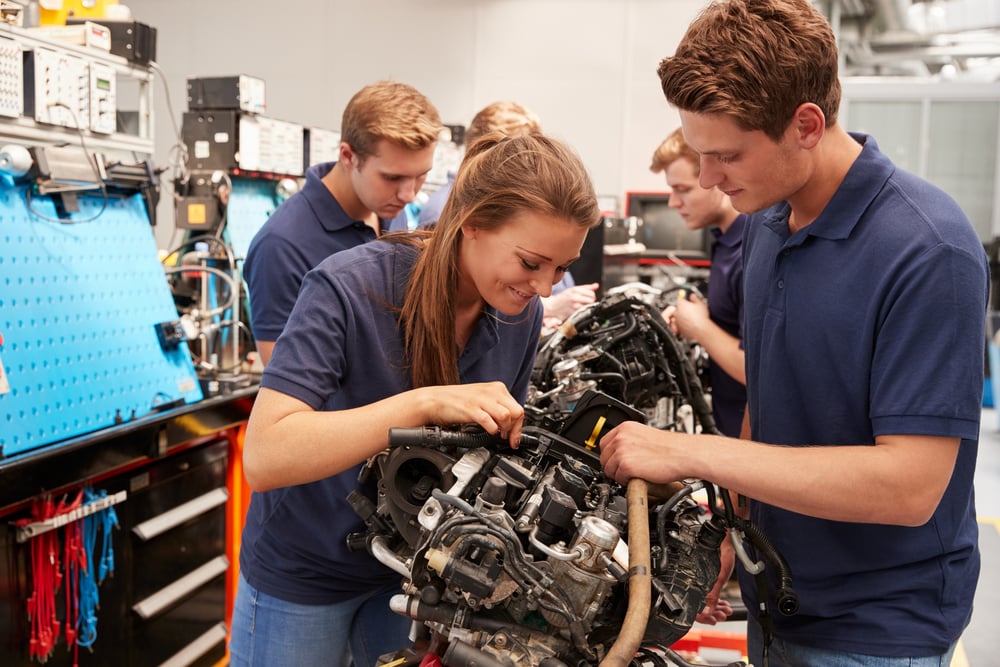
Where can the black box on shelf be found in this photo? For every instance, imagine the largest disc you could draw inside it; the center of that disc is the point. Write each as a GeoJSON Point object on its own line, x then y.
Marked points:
{"type": "Point", "coordinates": [131, 40]}
{"type": "Point", "coordinates": [239, 93]}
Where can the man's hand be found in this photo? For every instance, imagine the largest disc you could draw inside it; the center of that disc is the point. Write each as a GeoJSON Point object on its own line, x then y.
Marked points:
{"type": "Point", "coordinates": [562, 305]}
{"type": "Point", "coordinates": [688, 317]}
{"type": "Point", "coordinates": [716, 608]}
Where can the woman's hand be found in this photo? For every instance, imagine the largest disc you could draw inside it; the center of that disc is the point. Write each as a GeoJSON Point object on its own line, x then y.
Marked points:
{"type": "Point", "coordinates": [488, 404]}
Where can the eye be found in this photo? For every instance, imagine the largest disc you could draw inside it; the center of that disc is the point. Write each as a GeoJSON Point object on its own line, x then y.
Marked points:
{"type": "Point", "coordinates": [727, 159]}
{"type": "Point", "coordinates": [528, 265]}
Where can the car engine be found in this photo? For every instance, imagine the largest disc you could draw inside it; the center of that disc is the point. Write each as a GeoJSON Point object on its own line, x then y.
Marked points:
{"type": "Point", "coordinates": [531, 556]}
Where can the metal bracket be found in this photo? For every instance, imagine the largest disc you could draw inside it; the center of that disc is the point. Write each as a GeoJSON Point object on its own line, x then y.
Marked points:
{"type": "Point", "coordinates": [36, 528]}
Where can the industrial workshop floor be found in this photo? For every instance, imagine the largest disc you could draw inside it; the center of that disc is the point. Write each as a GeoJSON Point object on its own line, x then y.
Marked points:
{"type": "Point", "coordinates": [978, 646]}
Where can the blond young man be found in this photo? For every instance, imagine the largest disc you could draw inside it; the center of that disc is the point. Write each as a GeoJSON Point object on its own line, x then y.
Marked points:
{"type": "Point", "coordinates": [714, 324]}
{"type": "Point", "coordinates": [388, 134]}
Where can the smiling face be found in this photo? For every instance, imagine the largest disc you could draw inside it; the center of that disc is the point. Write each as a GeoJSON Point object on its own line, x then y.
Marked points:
{"type": "Point", "coordinates": [507, 266]}
{"type": "Point", "coordinates": [754, 170]}
{"type": "Point", "coordinates": [388, 180]}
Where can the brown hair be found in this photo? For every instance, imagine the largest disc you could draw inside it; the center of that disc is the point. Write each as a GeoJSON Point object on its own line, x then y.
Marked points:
{"type": "Point", "coordinates": [755, 61]}
{"type": "Point", "coordinates": [392, 111]}
{"type": "Point", "coordinates": [499, 177]}
{"type": "Point", "coordinates": [672, 149]}
{"type": "Point", "coordinates": [508, 117]}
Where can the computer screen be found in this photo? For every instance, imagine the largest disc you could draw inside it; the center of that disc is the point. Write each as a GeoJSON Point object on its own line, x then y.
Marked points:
{"type": "Point", "coordinates": [663, 229]}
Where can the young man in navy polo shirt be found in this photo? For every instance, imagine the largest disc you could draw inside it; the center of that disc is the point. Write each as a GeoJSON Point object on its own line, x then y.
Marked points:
{"type": "Point", "coordinates": [388, 134]}
{"type": "Point", "coordinates": [865, 300]}
{"type": "Point", "coordinates": [715, 325]}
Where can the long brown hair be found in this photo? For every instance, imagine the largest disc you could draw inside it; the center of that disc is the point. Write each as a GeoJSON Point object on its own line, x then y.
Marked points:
{"type": "Point", "coordinates": [498, 178]}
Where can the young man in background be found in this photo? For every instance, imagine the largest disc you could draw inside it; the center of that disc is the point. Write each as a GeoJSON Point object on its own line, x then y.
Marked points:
{"type": "Point", "coordinates": [388, 134]}
{"type": "Point", "coordinates": [715, 325]}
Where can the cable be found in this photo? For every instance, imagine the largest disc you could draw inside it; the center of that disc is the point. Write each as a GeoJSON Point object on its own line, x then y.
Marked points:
{"type": "Point", "coordinates": [94, 574]}
{"type": "Point", "coordinates": [211, 239]}
{"type": "Point", "coordinates": [45, 578]}
{"type": "Point", "coordinates": [180, 146]}
{"type": "Point", "coordinates": [92, 161]}
{"type": "Point", "coordinates": [229, 280]}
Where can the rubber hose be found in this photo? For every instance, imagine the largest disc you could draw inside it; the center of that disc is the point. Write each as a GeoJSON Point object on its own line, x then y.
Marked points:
{"type": "Point", "coordinates": [640, 579]}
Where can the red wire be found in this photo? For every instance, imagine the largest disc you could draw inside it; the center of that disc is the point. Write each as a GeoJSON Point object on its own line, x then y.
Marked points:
{"type": "Point", "coordinates": [46, 576]}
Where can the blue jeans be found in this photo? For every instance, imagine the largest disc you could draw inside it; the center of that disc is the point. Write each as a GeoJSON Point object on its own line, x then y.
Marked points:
{"type": "Point", "coordinates": [268, 632]}
{"type": "Point", "coordinates": [785, 654]}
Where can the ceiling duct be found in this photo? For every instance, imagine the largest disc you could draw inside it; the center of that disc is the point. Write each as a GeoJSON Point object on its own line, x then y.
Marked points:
{"type": "Point", "coordinates": [936, 38]}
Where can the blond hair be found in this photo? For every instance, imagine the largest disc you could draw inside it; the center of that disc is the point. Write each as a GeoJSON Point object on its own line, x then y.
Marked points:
{"type": "Point", "coordinates": [508, 117]}
{"type": "Point", "coordinates": [392, 111]}
{"type": "Point", "coordinates": [674, 148]}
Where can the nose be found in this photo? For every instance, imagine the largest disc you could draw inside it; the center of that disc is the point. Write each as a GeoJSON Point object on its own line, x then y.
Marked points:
{"type": "Point", "coordinates": [674, 201]}
{"type": "Point", "coordinates": [711, 174]}
{"type": "Point", "coordinates": [407, 190]}
{"type": "Point", "coordinates": [543, 285]}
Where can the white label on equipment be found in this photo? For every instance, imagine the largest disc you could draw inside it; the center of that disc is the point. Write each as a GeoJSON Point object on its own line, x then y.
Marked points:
{"type": "Point", "coordinates": [201, 149]}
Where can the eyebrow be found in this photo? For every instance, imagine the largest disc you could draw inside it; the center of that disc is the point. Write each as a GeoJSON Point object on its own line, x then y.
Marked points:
{"type": "Point", "coordinates": [397, 174]}
{"type": "Point", "coordinates": [541, 256]}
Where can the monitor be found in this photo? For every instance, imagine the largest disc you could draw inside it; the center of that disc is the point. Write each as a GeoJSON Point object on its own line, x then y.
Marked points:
{"type": "Point", "coordinates": [663, 230]}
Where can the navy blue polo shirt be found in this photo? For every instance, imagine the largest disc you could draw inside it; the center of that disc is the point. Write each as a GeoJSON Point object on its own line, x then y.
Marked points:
{"type": "Point", "coordinates": [342, 349]}
{"type": "Point", "coordinates": [725, 308]}
{"type": "Point", "coordinates": [870, 321]}
{"type": "Point", "coordinates": [305, 229]}
{"type": "Point", "coordinates": [431, 210]}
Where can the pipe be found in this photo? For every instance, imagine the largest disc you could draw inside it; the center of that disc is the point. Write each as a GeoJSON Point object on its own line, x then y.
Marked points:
{"type": "Point", "coordinates": [640, 579]}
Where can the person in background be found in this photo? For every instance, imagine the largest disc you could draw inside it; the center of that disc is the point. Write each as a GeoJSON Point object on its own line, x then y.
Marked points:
{"type": "Point", "coordinates": [865, 292]}
{"type": "Point", "coordinates": [513, 120]}
{"type": "Point", "coordinates": [388, 134]}
{"type": "Point", "coordinates": [517, 218]}
{"type": "Point", "coordinates": [714, 325]}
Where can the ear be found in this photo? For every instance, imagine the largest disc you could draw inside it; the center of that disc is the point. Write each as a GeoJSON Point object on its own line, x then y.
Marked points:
{"type": "Point", "coordinates": [470, 231]}
{"type": "Point", "coordinates": [809, 123]}
{"type": "Point", "coordinates": [347, 155]}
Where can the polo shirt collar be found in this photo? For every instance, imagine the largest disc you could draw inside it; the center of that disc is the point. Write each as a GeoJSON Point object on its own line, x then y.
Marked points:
{"type": "Point", "coordinates": [861, 185]}
{"type": "Point", "coordinates": [329, 212]}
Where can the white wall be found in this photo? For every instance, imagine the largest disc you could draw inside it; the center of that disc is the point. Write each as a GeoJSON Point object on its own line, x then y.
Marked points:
{"type": "Point", "coordinates": [587, 67]}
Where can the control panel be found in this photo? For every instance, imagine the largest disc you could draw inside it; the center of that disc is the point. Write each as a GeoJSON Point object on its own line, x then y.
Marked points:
{"type": "Point", "coordinates": [68, 86]}
{"type": "Point", "coordinates": [11, 79]}
{"type": "Point", "coordinates": [57, 87]}
{"type": "Point", "coordinates": [321, 145]}
{"type": "Point", "coordinates": [103, 87]}
{"type": "Point", "coordinates": [271, 145]}
{"type": "Point", "coordinates": [230, 140]}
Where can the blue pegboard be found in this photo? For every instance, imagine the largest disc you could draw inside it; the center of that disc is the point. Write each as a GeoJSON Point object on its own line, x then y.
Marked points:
{"type": "Point", "coordinates": [79, 301]}
{"type": "Point", "coordinates": [250, 205]}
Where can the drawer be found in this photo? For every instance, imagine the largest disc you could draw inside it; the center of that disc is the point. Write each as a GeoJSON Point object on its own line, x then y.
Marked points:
{"type": "Point", "coordinates": [187, 631]}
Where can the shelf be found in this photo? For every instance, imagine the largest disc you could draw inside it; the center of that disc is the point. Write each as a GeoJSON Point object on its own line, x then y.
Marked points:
{"type": "Point", "coordinates": [134, 84]}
